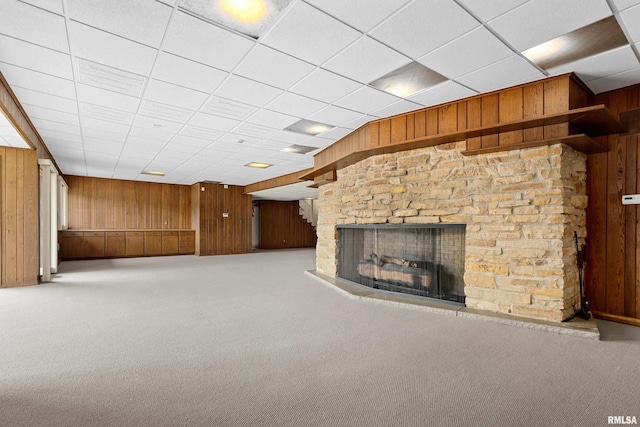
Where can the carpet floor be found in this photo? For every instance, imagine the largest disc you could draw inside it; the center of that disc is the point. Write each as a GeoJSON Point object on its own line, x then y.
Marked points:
{"type": "Point", "coordinates": [250, 340]}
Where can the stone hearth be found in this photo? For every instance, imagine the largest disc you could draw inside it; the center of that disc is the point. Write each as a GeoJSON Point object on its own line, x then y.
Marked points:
{"type": "Point", "coordinates": [521, 209]}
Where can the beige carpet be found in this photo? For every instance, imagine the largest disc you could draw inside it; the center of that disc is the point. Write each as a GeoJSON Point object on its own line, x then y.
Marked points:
{"type": "Point", "coordinates": [250, 340]}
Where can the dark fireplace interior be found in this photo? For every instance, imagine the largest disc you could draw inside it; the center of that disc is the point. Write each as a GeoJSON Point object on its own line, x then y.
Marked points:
{"type": "Point", "coordinates": [427, 261]}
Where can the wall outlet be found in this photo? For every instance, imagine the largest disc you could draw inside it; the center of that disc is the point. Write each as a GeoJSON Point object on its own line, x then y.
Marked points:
{"type": "Point", "coordinates": [631, 199]}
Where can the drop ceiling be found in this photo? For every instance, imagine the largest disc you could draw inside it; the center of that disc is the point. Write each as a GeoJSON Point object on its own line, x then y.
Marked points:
{"type": "Point", "coordinates": [121, 86]}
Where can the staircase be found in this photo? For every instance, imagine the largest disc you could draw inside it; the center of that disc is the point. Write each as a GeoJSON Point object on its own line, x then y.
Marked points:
{"type": "Point", "coordinates": [309, 211]}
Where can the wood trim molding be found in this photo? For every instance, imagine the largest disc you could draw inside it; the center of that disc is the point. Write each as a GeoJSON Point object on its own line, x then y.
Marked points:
{"type": "Point", "coordinates": [615, 318]}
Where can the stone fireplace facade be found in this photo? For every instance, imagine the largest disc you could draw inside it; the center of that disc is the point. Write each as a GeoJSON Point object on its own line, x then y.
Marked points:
{"type": "Point", "coordinates": [521, 208]}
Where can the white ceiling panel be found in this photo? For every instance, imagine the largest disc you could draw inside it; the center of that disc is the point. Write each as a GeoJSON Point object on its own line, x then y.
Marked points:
{"type": "Point", "coordinates": [162, 111]}
{"type": "Point", "coordinates": [366, 60]}
{"type": "Point", "coordinates": [325, 86]}
{"type": "Point", "coordinates": [150, 134]}
{"type": "Point", "coordinates": [40, 82]}
{"type": "Point", "coordinates": [444, 92]}
{"type": "Point", "coordinates": [309, 34]}
{"type": "Point", "coordinates": [26, 96]}
{"type": "Point", "coordinates": [106, 98]}
{"type": "Point", "coordinates": [336, 133]}
{"type": "Point", "coordinates": [178, 96]}
{"type": "Point", "coordinates": [175, 156]}
{"type": "Point", "coordinates": [541, 20]}
{"type": "Point", "coordinates": [501, 74]}
{"type": "Point", "coordinates": [56, 126]}
{"type": "Point", "coordinates": [140, 21]}
{"type": "Point", "coordinates": [361, 14]}
{"type": "Point", "coordinates": [213, 122]}
{"type": "Point", "coordinates": [355, 124]}
{"type": "Point", "coordinates": [228, 147]}
{"type": "Point", "coordinates": [472, 51]}
{"type": "Point", "coordinates": [488, 10]}
{"type": "Point", "coordinates": [184, 148]}
{"type": "Point", "coordinates": [604, 64]}
{"type": "Point", "coordinates": [399, 107]}
{"type": "Point", "coordinates": [274, 68]}
{"type": "Point", "coordinates": [288, 137]}
{"type": "Point", "coordinates": [423, 26]}
{"type": "Point", "coordinates": [247, 91]}
{"type": "Point", "coordinates": [157, 124]}
{"type": "Point", "coordinates": [63, 136]}
{"type": "Point", "coordinates": [33, 25]}
{"type": "Point", "coordinates": [366, 99]}
{"type": "Point", "coordinates": [33, 57]}
{"type": "Point", "coordinates": [53, 143]}
{"type": "Point", "coordinates": [109, 78]}
{"type": "Point", "coordinates": [146, 148]}
{"type": "Point", "coordinates": [99, 146]}
{"type": "Point", "coordinates": [272, 119]}
{"type": "Point", "coordinates": [228, 108]}
{"type": "Point", "coordinates": [54, 6]}
{"type": "Point", "coordinates": [202, 42]}
{"type": "Point", "coordinates": [190, 74]}
{"type": "Point", "coordinates": [625, 4]}
{"type": "Point", "coordinates": [104, 135]}
{"type": "Point", "coordinates": [615, 81]}
{"type": "Point", "coordinates": [295, 105]}
{"type": "Point", "coordinates": [53, 115]}
{"type": "Point", "coordinates": [255, 131]}
{"type": "Point", "coordinates": [335, 116]}
{"type": "Point", "coordinates": [113, 51]}
{"type": "Point", "coordinates": [631, 18]}
{"type": "Point", "coordinates": [105, 113]}
{"type": "Point", "coordinates": [206, 134]}
{"type": "Point", "coordinates": [197, 143]}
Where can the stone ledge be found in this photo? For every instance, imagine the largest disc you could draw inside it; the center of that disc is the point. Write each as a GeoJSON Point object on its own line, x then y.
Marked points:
{"type": "Point", "coordinates": [576, 327]}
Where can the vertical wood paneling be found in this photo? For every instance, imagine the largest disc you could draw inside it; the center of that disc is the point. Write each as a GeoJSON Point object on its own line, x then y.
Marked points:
{"type": "Point", "coordinates": [595, 271]}
{"type": "Point", "coordinates": [411, 126]}
{"type": "Point", "coordinates": [432, 121]}
{"type": "Point", "coordinates": [420, 124]}
{"type": "Point", "coordinates": [398, 129]}
{"type": "Point", "coordinates": [384, 136]}
{"type": "Point", "coordinates": [474, 120]}
{"type": "Point", "coordinates": [281, 226]}
{"type": "Point", "coordinates": [556, 100]}
{"type": "Point", "coordinates": [615, 228]}
{"type": "Point", "coordinates": [448, 118]}
{"type": "Point", "coordinates": [533, 106]}
{"type": "Point", "coordinates": [511, 109]}
{"type": "Point", "coordinates": [630, 228]}
{"type": "Point", "coordinates": [462, 115]}
{"type": "Point", "coordinates": [19, 231]}
{"type": "Point", "coordinates": [490, 116]}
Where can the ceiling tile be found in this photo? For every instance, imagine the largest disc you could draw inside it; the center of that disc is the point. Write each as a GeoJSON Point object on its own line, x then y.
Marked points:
{"type": "Point", "coordinates": [104, 135]}
{"type": "Point", "coordinates": [171, 94]}
{"type": "Point", "coordinates": [325, 86]}
{"type": "Point", "coordinates": [105, 113]}
{"type": "Point", "coordinates": [35, 112]}
{"type": "Point", "coordinates": [272, 119]}
{"type": "Point", "coordinates": [488, 10]}
{"type": "Point", "coordinates": [107, 49]}
{"type": "Point", "coordinates": [157, 124]}
{"type": "Point", "coordinates": [33, 25]}
{"type": "Point", "coordinates": [108, 78]}
{"type": "Point", "coordinates": [35, 58]}
{"type": "Point", "coordinates": [540, 20]}
{"type": "Point", "coordinates": [228, 108]}
{"type": "Point", "coordinates": [162, 111]}
{"type": "Point", "coordinates": [615, 81]}
{"type": "Point", "coordinates": [97, 96]}
{"type": "Point", "coordinates": [200, 41]}
{"type": "Point", "coordinates": [472, 51]}
{"type": "Point", "coordinates": [302, 32]}
{"type": "Point", "coordinates": [501, 74]}
{"type": "Point", "coordinates": [355, 124]}
{"type": "Point", "coordinates": [193, 149]}
{"type": "Point", "coordinates": [197, 143]}
{"type": "Point", "coordinates": [288, 137]}
{"type": "Point", "coordinates": [99, 146]}
{"type": "Point", "coordinates": [151, 134]}
{"type": "Point", "coordinates": [423, 26]}
{"type": "Point", "coordinates": [631, 17]}
{"type": "Point", "coordinates": [247, 91]}
{"type": "Point", "coordinates": [55, 126]}
{"type": "Point", "coordinates": [143, 22]}
{"type": "Point", "coordinates": [26, 96]}
{"type": "Point", "coordinates": [334, 116]}
{"type": "Point", "coordinates": [367, 99]}
{"type": "Point", "coordinates": [213, 122]}
{"type": "Point", "coordinates": [366, 60]}
{"type": "Point", "coordinates": [102, 125]}
{"type": "Point", "coordinates": [337, 133]}
{"type": "Point", "coordinates": [361, 14]}
{"type": "Point", "coordinates": [445, 92]}
{"type": "Point", "coordinates": [254, 130]}
{"type": "Point", "coordinates": [191, 132]}
{"type": "Point", "coordinates": [71, 137]}
{"type": "Point", "coordinates": [604, 64]}
{"type": "Point", "coordinates": [399, 107]}
{"type": "Point", "coordinates": [190, 74]}
{"type": "Point", "coordinates": [295, 105]}
{"type": "Point", "coordinates": [54, 6]}
{"type": "Point", "coordinates": [625, 4]}
{"type": "Point", "coordinates": [274, 68]}
{"type": "Point", "coordinates": [167, 155]}
{"type": "Point", "coordinates": [40, 82]}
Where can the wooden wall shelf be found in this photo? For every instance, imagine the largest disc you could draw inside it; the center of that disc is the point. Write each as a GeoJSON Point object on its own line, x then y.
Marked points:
{"type": "Point", "coordinates": [580, 142]}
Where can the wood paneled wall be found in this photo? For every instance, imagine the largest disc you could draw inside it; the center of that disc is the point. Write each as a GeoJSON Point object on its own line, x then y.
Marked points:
{"type": "Point", "coordinates": [282, 226]}
{"type": "Point", "coordinates": [612, 276]}
{"type": "Point", "coordinates": [19, 242]}
{"type": "Point", "coordinates": [99, 203]}
{"type": "Point", "coordinates": [215, 233]}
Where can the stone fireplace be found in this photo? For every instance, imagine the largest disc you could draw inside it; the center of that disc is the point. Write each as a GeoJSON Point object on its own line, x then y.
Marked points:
{"type": "Point", "coordinates": [520, 208]}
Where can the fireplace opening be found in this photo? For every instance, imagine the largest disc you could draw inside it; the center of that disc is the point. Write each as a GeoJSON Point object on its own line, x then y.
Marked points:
{"type": "Point", "coordinates": [427, 260]}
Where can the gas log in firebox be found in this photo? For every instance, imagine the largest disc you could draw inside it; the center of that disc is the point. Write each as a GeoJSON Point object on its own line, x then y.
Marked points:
{"type": "Point", "coordinates": [420, 260]}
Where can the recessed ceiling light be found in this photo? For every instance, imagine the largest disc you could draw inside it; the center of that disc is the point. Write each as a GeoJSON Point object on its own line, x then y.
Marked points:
{"type": "Point", "coordinates": [259, 165]}
{"type": "Point", "coordinates": [309, 127]}
{"type": "Point", "coordinates": [595, 38]}
{"type": "Point", "coordinates": [299, 149]}
{"type": "Point", "coordinates": [408, 80]}
{"type": "Point", "coordinates": [154, 173]}
{"type": "Point", "coordinates": [249, 17]}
